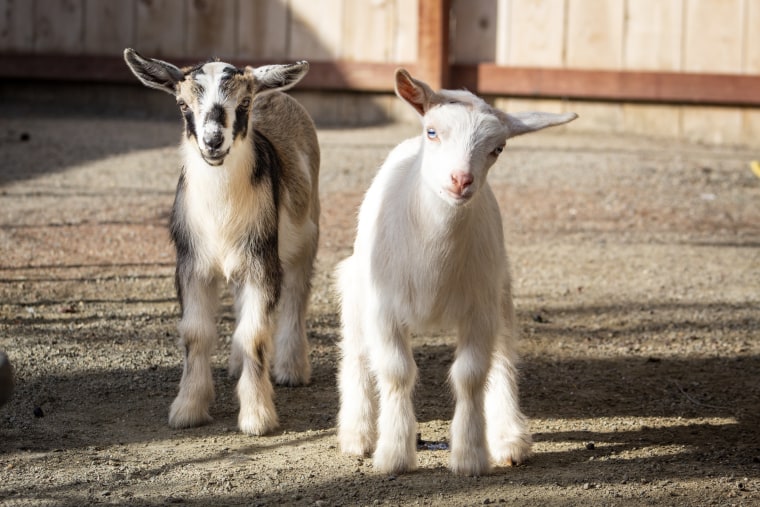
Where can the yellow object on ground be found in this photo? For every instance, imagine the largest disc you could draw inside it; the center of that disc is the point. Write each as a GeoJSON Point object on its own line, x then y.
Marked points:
{"type": "Point", "coordinates": [755, 166]}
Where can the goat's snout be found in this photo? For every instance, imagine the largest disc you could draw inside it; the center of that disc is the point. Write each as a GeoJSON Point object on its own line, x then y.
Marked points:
{"type": "Point", "coordinates": [461, 181]}
{"type": "Point", "coordinates": [213, 140]}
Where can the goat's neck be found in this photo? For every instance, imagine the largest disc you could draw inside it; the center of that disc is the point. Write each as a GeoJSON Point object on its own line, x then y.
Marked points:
{"type": "Point", "coordinates": [223, 192]}
{"type": "Point", "coordinates": [434, 217]}
{"type": "Point", "coordinates": [225, 180]}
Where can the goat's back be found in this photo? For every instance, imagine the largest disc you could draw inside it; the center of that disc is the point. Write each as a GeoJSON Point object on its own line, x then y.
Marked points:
{"type": "Point", "coordinates": [288, 126]}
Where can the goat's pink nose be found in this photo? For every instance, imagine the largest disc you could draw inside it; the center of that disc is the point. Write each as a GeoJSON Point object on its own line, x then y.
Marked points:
{"type": "Point", "coordinates": [461, 181]}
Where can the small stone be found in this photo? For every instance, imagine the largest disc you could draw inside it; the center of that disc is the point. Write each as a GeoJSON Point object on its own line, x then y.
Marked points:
{"type": "Point", "coordinates": [590, 446]}
{"type": "Point", "coordinates": [38, 412]}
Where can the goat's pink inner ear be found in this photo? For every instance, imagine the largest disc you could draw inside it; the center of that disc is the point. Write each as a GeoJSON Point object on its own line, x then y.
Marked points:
{"type": "Point", "coordinates": [410, 91]}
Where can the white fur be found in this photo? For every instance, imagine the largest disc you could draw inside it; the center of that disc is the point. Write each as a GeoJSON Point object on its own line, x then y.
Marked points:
{"type": "Point", "coordinates": [430, 254]}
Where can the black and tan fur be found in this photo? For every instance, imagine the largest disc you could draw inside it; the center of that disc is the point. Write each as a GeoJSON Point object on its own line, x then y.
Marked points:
{"type": "Point", "coordinates": [246, 212]}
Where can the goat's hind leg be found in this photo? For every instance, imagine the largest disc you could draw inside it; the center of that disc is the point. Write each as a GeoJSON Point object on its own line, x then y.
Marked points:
{"type": "Point", "coordinates": [507, 428]}
{"type": "Point", "coordinates": [197, 331]}
{"type": "Point", "coordinates": [291, 346]}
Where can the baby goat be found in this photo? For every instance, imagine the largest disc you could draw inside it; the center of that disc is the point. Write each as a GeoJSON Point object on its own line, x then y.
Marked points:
{"type": "Point", "coordinates": [246, 211]}
{"type": "Point", "coordinates": [429, 252]}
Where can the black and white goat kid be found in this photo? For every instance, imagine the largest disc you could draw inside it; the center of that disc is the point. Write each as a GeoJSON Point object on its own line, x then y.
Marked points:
{"type": "Point", "coordinates": [246, 211]}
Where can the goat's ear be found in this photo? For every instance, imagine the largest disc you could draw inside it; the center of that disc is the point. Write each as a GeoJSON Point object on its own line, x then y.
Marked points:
{"type": "Point", "coordinates": [153, 73]}
{"type": "Point", "coordinates": [523, 123]}
{"type": "Point", "coordinates": [418, 94]}
{"type": "Point", "coordinates": [269, 78]}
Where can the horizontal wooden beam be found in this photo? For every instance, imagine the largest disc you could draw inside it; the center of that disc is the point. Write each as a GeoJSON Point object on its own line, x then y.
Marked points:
{"type": "Point", "coordinates": [483, 78]}
{"type": "Point", "coordinates": [624, 86]}
{"type": "Point", "coordinates": [335, 76]}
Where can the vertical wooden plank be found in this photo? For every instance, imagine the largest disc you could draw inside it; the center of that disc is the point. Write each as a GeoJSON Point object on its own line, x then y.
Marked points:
{"type": "Point", "coordinates": [475, 25]}
{"type": "Point", "coordinates": [713, 36]}
{"type": "Point", "coordinates": [160, 29]}
{"type": "Point", "coordinates": [263, 30]}
{"type": "Point", "coordinates": [211, 26]}
{"type": "Point", "coordinates": [59, 26]}
{"type": "Point", "coordinates": [653, 120]}
{"type": "Point", "coordinates": [595, 34]}
{"type": "Point", "coordinates": [503, 32]}
{"type": "Point", "coordinates": [109, 26]}
{"type": "Point", "coordinates": [751, 126]}
{"type": "Point", "coordinates": [597, 116]}
{"type": "Point", "coordinates": [715, 125]}
{"type": "Point", "coordinates": [536, 33]}
{"type": "Point", "coordinates": [653, 35]}
{"type": "Point", "coordinates": [16, 25]}
{"type": "Point", "coordinates": [752, 38]}
{"type": "Point", "coordinates": [367, 30]}
{"type": "Point", "coordinates": [433, 43]}
{"type": "Point", "coordinates": [405, 35]}
{"type": "Point", "coordinates": [316, 29]}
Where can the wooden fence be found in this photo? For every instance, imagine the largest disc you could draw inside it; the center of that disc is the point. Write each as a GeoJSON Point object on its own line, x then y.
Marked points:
{"type": "Point", "coordinates": [620, 58]}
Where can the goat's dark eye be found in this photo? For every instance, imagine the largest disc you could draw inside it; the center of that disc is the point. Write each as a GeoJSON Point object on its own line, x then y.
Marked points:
{"type": "Point", "coordinates": [245, 103]}
{"type": "Point", "coordinates": [498, 150]}
{"type": "Point", "coordinates": [432, 134]}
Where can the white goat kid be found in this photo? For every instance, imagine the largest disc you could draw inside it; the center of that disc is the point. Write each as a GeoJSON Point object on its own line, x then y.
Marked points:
{"type": "Point", "coordinates": [429, 252]}
{"type": "Point", "coordinates": [246, 211]}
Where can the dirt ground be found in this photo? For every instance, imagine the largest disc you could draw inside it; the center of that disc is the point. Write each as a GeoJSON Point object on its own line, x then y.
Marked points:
{"type": "Point", "coordinates": [636, 265]}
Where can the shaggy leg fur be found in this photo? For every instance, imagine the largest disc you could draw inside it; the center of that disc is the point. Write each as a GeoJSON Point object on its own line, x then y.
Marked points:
{"type": "Point", "coordinates": [508, 436]}
{"type": "Point", "coordinates": [358, 400]}
{"type": "Point", "coordinates": [469, 454]}
{"type": "Point", "coordinates": [197, 331]}
{"type": "Point", "coordinates": [396, 373]}
{"type": "Point", "coordinates": [253, 340]}
{"type": "Point", "coordinates": [291, 355]}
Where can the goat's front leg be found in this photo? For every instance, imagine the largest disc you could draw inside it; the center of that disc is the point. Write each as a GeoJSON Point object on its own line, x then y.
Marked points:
{"type": "Point", "coordinates": [357, 417]}
{"type": "Point", "coordinates": [197, 331]}
{"type": "Point", "coordinates": [396, 373]}
{"type": "Point", "coordinates": [252, 341]}
{"type": "Point", "coordinates": [469, 452]}
{"type": "Point", "coordinates": [508, 437]}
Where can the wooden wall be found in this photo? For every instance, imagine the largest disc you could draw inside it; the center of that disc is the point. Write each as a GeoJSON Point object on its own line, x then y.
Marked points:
{"type": "Point", "coordinates": [354, 30]}
{"type": "Point", "coordinates": [721, 36]}
{"type": "Point", "coordinates": [717, 38]}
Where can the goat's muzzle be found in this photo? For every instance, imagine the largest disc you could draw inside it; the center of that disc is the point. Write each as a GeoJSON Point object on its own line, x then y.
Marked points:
{"type": "Point", "coordinates": [212, 150]}
{"type": "Point", "coordinates": [460, 187]}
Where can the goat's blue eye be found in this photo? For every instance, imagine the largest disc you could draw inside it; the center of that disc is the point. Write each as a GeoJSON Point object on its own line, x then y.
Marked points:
{"type": "Point", "coordinates": [498, 150]}
{"type": "Point", "coordinates": [432, 134]}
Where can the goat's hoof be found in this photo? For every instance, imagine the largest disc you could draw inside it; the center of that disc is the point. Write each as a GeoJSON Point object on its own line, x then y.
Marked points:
{"type": "Point", "coordinates": [512, 453]}
{"type": "Point", "coordinates": [258, 424]}
{"type": "Point", "coordinates": [184, 414]}
{"type": "Point", "coordinates": [355, 444]}
{"type": "Point", "coordinates": [393, 464]}
{"type": "Point", "coordinates": [470, 462]}
{"type": "Point", "coordinates": [292, 377]}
